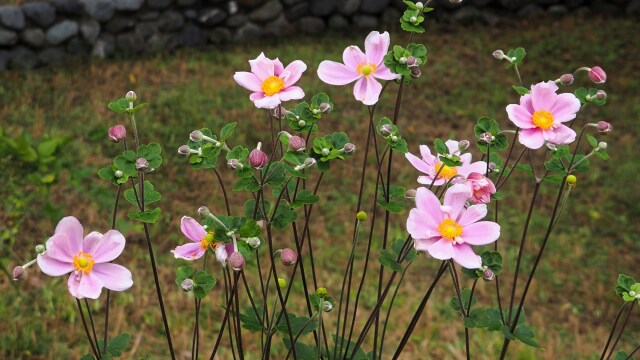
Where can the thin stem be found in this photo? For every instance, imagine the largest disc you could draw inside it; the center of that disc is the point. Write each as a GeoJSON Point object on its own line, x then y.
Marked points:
{"type": "Point", "coordinates": [633, 352]}
{"type": "Point", "coordinates": [613, 330]}
{"type": "Point", "coordinates": [93, 328]}
{"type": "Point", "coordinates": [236, 294]}
{"type": "Point", "coordinates": [86, 330]}
{"type": "Point", "coordinates": [624, 324]}
{"type": "Point", "coordinates": [295, 339]}
{"type": "Point", "coordinates": [221, 333]}
{"type": "Point", "coordinates": [391, 302]}
{"type": "Point", "coordinates": [224, 191]}
{"type": "Point", "coordinates": [106, 314]}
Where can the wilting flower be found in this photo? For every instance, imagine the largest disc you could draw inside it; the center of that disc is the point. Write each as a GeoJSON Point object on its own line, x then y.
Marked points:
{"type": "Point", "coordinates": [431, 165]}
{"type": "Point", "coordinates": [363, 67]}
{"type": "Point", "coordinates": [88, 259]}
{"type": "Point", "coordinates": [447, 231]}
{"type": "Point", "coordinates": [270, 82]}
{"type": "Point", "coordinates": [201, 241]}
{"type": "Point", "coordinates": [540, 116]}
{"type": "Point", "coordinates": [481, 188]}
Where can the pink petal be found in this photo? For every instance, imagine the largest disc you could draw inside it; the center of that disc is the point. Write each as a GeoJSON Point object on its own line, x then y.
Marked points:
{"type": "Point", "coordinates": [464, 255]}
{"type": "Point", "coordinates": [424, 244]}
{"type": "Point", "coordinates": [543, 95]}
{"type": "Point", "coordinates": [335, 73]}
{"type": "Point", "coordinates": [189, 251]}
{"type": "Point", "coordinates": [192, 229]}
{"type": "Point", "coordinates": [59, 247]}
{"type": "Point", "coordinates": [452, 145]}
{"type": "Point", "coordinates": [262, 67]}
{"type": "Point", "coordinates": [268, 102]}
{"type": "Point", "coordinates": [520, 116]}
{"type": "Point", "coordinates": [383, 73]}
{"type": "Point", "coordinates": [428, 180]}
{"type": "Point", "coordinates": [248, 81]}
{"type": "Point", "coordinates": [104, 248]}
{"type": "Point", "coordinates": [376, 46]}
{"type": "Point", "coordinates": [561, 135]}
{"type": "Point", "coordinates": [441, 249]}
{"type": "Point", "coordinates": [456, 197]}
{"type": "Point", "coordinates": [90, 286]}
{"type": "Point", "coordinates": [465, 158]}
{"type": "Point", "coordinates": [291, 93]}
{"type": "Point", "coordinates": [426, 155]}
{"type": "Point", "coordinates": [112, 276]}
{"type": "Point", "coordinates": [422, 225]}
{"type": "Point", "coordinates": [223, 252]}
{"type": "Point", "coordinates": [278, 68]}
{"type": "Point", "coordinates": [72, 227]}
{"type": "Point", "coordinates": [367, 90]}
{"type": "Point", "coordinates": [53, 267]}
{"type": "Point", "coordinates": [418, 163]}
{"type": "Point", "coordinates": [481, 233]}
{"type": "Point", "coordinates": [479, 167]}
{"type": "Point", "coordinates": [429, 204]}
{"type": "Point", "coordinates": [72, 284]}
{"type": "Point", "coordinates": [472, 214]}
{"type": "Point", "coordinates": [531, 138]}
{"type": "Point", "coordinates": [294, 70]}
{"type": "Point", "coordinates": [256, 96]}
{"type": "Point", "coordinates": [525, 102]}
{"type": "Point", "coordinates": [565, 108]}
{"type": "Point", "coordinates": [353, 57]}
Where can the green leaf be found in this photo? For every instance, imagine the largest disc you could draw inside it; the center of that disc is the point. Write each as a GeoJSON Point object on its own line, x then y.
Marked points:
{"type": "Point", "coordinates": [249, 184]}
{"type": "Point", "coordinates": [621, 355]}
{"type": "Point", "coordinates": [524, 167]}
{"type": "Point", "coordinates": [250, 229]}
{"type": "Point", "coordinates": [465, 294]}
{"type": "Point", "coordinates": [150, 194]}
{"type": "Point", "coordinates": [592, 141]}
{"type": "Point", "coordinates": [583, 166]}
{"type": "Point", "coordinates": [521, 90]}
{"type": "Point", "coordinates": [388, 259]}
{"type": "Point", "coordinates": [392, 206]}
{"type": "Point", "coordinates": [303, 352]}
{"type": "Point", "coordinates": [204, 279]}
{"type": "Point", "coordinates": [526, 335]}
{"type": "Point", "coordinates": [304, 197]}
{"type": "Point", "coordinates": [87, 357]}
{"type": "Point", "coordinates": [152, 153]}
{"type": "Point", "coordinates": [227, 131]}
{"type": "Point", "coordinates": [283, 217]}
{"type": "Point", "coordinates": [555, 165]}
{"type": "Point", "coordinates": [147, 216]}
{"type": "Point", "coordinates": [488, 318]}
{"type": "Point", "coordinates": [298, 324]}
{"type": "Point", "coordinates": [126, 163]}
{"type": "Point", "coordinates": [492, 260]}
{"type": "Point", "coordinates": [441, 147]}
{"type": "Point", "coordinates": [118, 344]}
{"type": "Point", "coordinates": [183, 273]}
{"type": "Point", "coordinates": [624, 284]}
{"type": "Point", "coordinates": [250, 320]}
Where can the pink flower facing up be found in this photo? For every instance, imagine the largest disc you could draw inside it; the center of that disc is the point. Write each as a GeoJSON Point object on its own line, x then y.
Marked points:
{"type": "Point", "coordinates": [364, 67]}
{"type": "Point", "coordinates": [201, 241]}
{"type": "Point", "coordinates": [481, 188]}
{"type": "Point", "coordinates": [431, 165]}
{"type": "Point", "coordinates": [447, 231]}
{"type": "Point", "coordinates": [270, 82]}
{"type": "Point", "coordinates": [541, 113]}
{"type": "Point", "coordinates": [88, 260]}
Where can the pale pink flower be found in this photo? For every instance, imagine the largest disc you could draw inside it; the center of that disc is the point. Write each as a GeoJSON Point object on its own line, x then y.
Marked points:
{"type": "Point", "coordinates": [201, 241]}
{"type": "Point", "coordinates": [270, 82]}
{"type": "Point", "coordinates": [447, 231]}
{"type": "Point", "coordinates": [88, 259]}
{"type": "Point", "coordinates": [481, 188]}
{"type": "Point", "coordinates": [364, 68]}
{"type": "Point", "coordinates": [431, 165]}
{"type": "Point", "coordinates": [541, 113]}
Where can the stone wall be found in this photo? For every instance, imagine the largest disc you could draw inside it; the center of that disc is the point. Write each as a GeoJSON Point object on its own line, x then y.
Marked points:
{"type": "Point", "coordinates": [48, 32]}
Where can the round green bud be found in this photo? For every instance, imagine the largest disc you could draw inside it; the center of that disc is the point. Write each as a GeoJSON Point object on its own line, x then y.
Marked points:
{"type": "Point", "coordinates": [571, 179]}
{"type": "Point", "coordinates": [322, 292]}
{"type": "Point", "coordinates": [361, 216]}
{"type": "Point", "coordinates": [282, 283]}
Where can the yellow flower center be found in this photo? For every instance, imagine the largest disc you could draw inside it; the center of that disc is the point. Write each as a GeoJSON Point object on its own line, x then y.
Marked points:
{"type": "Point", "coordinates": [543, 119]}
{"type": "Point", "coordinates": [83, 262]}
{"type": "Point", "coordinates": [446, 172]}
{"type": "Point", "coordinates": [450, 229]}
{"type": "Point", "coordinates": [366, 69]}
{"type": "Point", "coordinates": [207, 241]}
{"type": "Point", "coordinates": [272, 85]}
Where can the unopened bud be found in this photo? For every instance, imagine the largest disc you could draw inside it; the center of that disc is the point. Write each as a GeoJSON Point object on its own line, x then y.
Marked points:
{"type": "Point", "coordinates": [394, 138]}
{"type": "Point", "coordinates": [412, 61]}
{"type": "Point", "coordinates": [18, 273]}
{"type": "Point", "coordinates": [419, 5]}
{"type": "Point", "coordinates": [184, 150]}
{"type": "Point", "coordinates": [282, 283]}
{"type": "Point", "coordinates": [131, 96]}
{"type": "Point", "coordinates": [297, 144]}
{"type": "Point", "coordinates": [279, 112]}
{"type": "Point", "coordinates": [493, 166]}
{"type": "Point", "coordinates": [361, 216]}
{"type": "Point", "coordinates": [486, 138]}
{"type": "Point", "coordinates": [309, 162]}
{"type": "Point", "coordinates": [324, 107]}
{"type": "Point", "coordinates": [597, 75]}
{"type": "Point", "coordinates": [118, 174]}
{"type": "Point", "coordinates": [415, 72]}
{"type": "Point", "coordinates": [498, 54]}
{"type": "Point", "coordinates": [386, 129]}
{"type": "Point", "coordinates": [142, 164]}
{"type": "Point", "coordinates": [604, 127]}
{"type": "Point", "coordinates": [322, 292]}
{"type": "Point", "coordinates": [488, 274]}
{"type": "Point", "coordinates": [349, 148]}
{"type": "Point", "coordinates": [571, 179]}
{"type": "Point", "coordinates": [234, 164]}
{"type": "Point", "coordinates": [327, 306]}
{"type": "Point", "coordinates": [602, 145]}
{"type": "Point", "coordinates": [254, 242]}
{"type": "Point", "coordinates": [413, 19]}
{"type": "Point", "coordinates": [302, 123]}
{"type": "Point", "coordinates": [196, 135]}
{"type": "Point", "coordinates": [117, 133]}
{"type": "Point", "coordinates": [410, 194]}
{"type": "Point", "coordinates": [288, 257]}
{"type": "Point", "coordinates": [463, 145]}
{"type": "Point", "coordinates": [258, 158]}
{"type": "Point", "coordinates": [187, 285]}
{"type": "Point", "coordinates": [236, 260]}
{"type": "Point", "coordinates": [455, 1]}
{"type": "Point", "coordinates": [601, 95]}
{"type": "Point", "coordinates": [552, 147]}
{"type": "Point", "coordinates": [204, 211]}
{"type": "Point", "coordinates": [402, 60]}
{"type": "Point", "coordinates": [40, 249]}
{"type": "Point", "coordinates": [566, 79]}
{"type": "Point", "coordinates": [326, 151]}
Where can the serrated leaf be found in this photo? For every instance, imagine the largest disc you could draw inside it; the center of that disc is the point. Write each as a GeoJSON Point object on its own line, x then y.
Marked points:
{"type": "Point", "coordinates": [521, 90]}
{"type": "Point", "coordinates": [150, 194]}
{"type": "Point", "coordinates": [284, 217]}
{"type": "Point", "coordinates": [392, 206]}
{"type": "Point", "coordinates": [304, 197]}
{"type": "Point", "coordinates": [389, 260]}
{"type": "Point", "coordinates": [624, 284]}
{"type": "Point", "coordinates": [183, 273]}
{"type": "Point", "coordinates": [227, 131]}
{"type": "Point", "coordinates": [526, 335]}
{"type": "Point", "coordinates": [118, 344]}
{"type": "Point", "coordinates": [147, 216]}
{"type": "Point", "coordinates": [441, 147]}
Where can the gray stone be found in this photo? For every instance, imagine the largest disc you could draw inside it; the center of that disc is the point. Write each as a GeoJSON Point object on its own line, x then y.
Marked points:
{"type": "Point", "coordinates": [68, 7]}
{"type": "Point", "coordinates": [146, 29]}
{"type": "Point", "coordinates": [607, 9]}
{"type": "Point", "coordinates": [212, 17]}
{"type": "Point", "coordinates": [12, 17]}
{"type": "Point", "coordinates": [23, 58]}
{"type": "Point", "coordinates": [101, 10]}
{"type": "Point", "coordinates": [190, 14]}
{"type": "Point", "coordinates": [292, 2]}
{"type": "Point", "coordinates": [279, 26]}
{"type": "Point", "coordinates": [51, 56]}
{"type": "Point", "coordinates": [129, 42]}
{"type": "Point", "coordinates": [219, 35]}
{"type": "Point", "coordinates": [158, 4]}
{"type": "Point", "coordinates": [348, 7]}
{"type": "Point", "coordinates": [514, 4]}
{"type": "Point", "coordinates": [90, 30]}
{"type": "Point", "coordinates": [634, 7]}
{"type": "Point", "coordinates": [250, 4]}
{"type": "Point", "coordinates": [104, 47]}
{"type": "Point", "coordinates": [8, 37]}
{"type": "Point", "coordinates": [547, 2]}
{"type": "Point", "coordinates": [5, 56]}
{"type": "Point", "coordinates": [120, 23]}
{"type": "Point", "coordinates": [62, 32]}
{"type": "Point", "coordinates": [297, 11]}
{"type": "Point", "coordinates": [311, 25]}
{"type": "Point", "coordinates": [491, 18]}
{"type": "Point", "coordinates": [481, 3]}
{"type": "Point", "coordinates": [42, 13]}
{"type": "Point", "coordinates": [186, 2]}
{"type": "Point", "coordinates": [77, 47]}
{"type": "Point", "coordinates": [149, 15]}
{"type": "Point", "coordinates": [33, 37]}
{"type": "Point", "coordinates": [530, 11]}
{"type": "Point", "coordinates": [573, 3]}
{"type": "Point", "coordinates": [171, 21]}
{"type": "Point", "coordinates": [558, 10]}
{"type": "Point", "coordinates": [161, 42]}
{"type": "Point", "coordinates": [128, 5]}
{"type": "Point", "coordinates": [248, 32]}
{"type": "Point", "coordinates": [467, 15]}
{"type": "Point", "coordinates": [374, 6]}
{"type": "Point", "coordinates": [322, 7]}
{"type": "Point", "coordinates": [338, 22]}
{"type": "Point", "coordinates": [269, 11]}
{"type": "Point", "coordinates": [390, 17]}
{"type": "Point", "coordinates": [192, 36]}
{"type": "Point", "coordinates": [367, 22]}
{"type": "Point", "coordinates": [236, 20]}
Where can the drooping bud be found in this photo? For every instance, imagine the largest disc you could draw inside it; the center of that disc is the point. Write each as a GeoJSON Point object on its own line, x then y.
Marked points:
{"type": "Point", "coordinates": [488, 275]}
{"type": "Point", "coordinates": [18, 273]}
{"type": "Point", "coordinates": [204, 211]}
{"type": "Point", "coordinates": [410, 194]}
{"type": "Point", "coordinates": [236, 260]}
{"type": "Point", "coordinates": [493, 166]}
{"type": "Point", "coordinates": [142, 164]}
{"type": "Point", "coordinates": [566, 79]}
{"type": "Point", "coordinates": [327, 306]}
{"type": "Point", "coordinates": [412, 61]}
{"type": "Point", "coordinates": [322, 292]}
{"type": "Point", "coordinates": [386, 129]}
{"type": "Point", "coordinates": [309, 162]}
{"type": "Point", "coordinates": [234, 164]}
{"type": "Point", "coordinates": [463, 145]}
{"type": "Point", "coordinates": [601, 95]}
{"type": "Point", "coordinates": [498, 54]}
{"type": "Point", "coordinates": [288, 257]}
{"type": "Point", "coordinates": [349, 148]}
{"type": "Point", "coordinates": [187, 285]}
{"type": "Point", "coordinates": [196, 135]}
{"type": "Point", "coordinates": [40, 249]}
{"type": "Point", "coordinates": [604, 127]}
{"type": "Point", "coordinates": [258, 158]}
{"type": "Point", "coordinates": [602, 145]}
{"type": "Point", "coordinates": [254, 242]}
{"type": "Point", "coordinates": [131, 96]}
{"type": "Point", "coordinates": [297, 144]}
{"type": "Point", "coordinates": [324, 107]}
{"type": "Point", "coordinates": [117, 133]}
{"type": "Point", "coordinates": [486, 138]}
{"type": "Point", "coordinates": [184, 150]}
{"type": "Point", "coordinates": [279, 112]}
{"type": "Point", "coordinates": [282, 283]}
{"type": "Point", "coordinates": [415, 72]}
{"type": "Point", "coordinates": [597, 75]}
{"type": "Point", "coordinates": [419, 5]}
{"type": "Point", "coordinates": [362, 216]}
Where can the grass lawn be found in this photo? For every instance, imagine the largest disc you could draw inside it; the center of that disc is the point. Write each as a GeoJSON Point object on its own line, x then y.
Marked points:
{"type": "Point", "coordinates": [571, 305]}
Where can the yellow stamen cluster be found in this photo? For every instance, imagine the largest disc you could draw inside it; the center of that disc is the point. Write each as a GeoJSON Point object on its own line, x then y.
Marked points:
{"type": "Point", "coordinates": [449, 229]}
{"type": "Point", "coordinates": [366, 69]}
{"type": "Point", "coordinates": [83, 262]}
{"type": "Point", "coordinates": [272, 85]}
{"type": "Point", "coordinates": [543, 119]}
{"type": "Point", "coordinates": [207, 241]}
{"type": "Point", "coordinates": [446, 172]}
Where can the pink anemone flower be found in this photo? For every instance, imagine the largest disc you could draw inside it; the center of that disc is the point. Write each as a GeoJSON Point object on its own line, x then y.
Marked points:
{"type": "Point", "coordinates": [447, 231]}
{"type": "Point", "coordinates": [270, 82]}
{"type": "Point", "coordinates": [481, 188]}
{"type": "Point", "coordinates": [87, 259]}
{"type": "Point", "coordinates": [541, 113]}
{"type": "Point", "coordinates": [364, 68]}
{"type": "Point", "coordinates": [431, 165]}
{"type": "Point", "coordinates": [201, 242]}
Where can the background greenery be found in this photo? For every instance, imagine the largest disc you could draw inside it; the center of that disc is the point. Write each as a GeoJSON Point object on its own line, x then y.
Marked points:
{"type": "Point", "coordinates": [572, 301]}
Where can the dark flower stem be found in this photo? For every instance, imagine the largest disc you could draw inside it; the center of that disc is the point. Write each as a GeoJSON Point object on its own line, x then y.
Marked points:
{"type": "Point", "coordinates": [106, 314]}
{"type": "Point", "coordinates": [624, 325]}
{"type": "Point", "coordinates": [613, 330]}
{"type": "Point", "coordinates": [93, 327]}
{"type": "Point", "coordinates": [224, 323]}
{"type": "Point", "coordinates": [86, 330]}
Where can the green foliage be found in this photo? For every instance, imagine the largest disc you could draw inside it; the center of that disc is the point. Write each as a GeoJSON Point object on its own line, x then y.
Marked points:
{"type": "Point", "coordinates": [150, 194]}
{"type": "Point", "coordinates": [394, 139]}
{"type": "Point", "coordinates": [304, 197]}
{"type": "Point", "coordinates": [521, 90]}
{"type": "Point", "coordinates": [467, 301]}
{"type": "Point", "coordinates": [491, 260]}
{"type": "Point", "coordinates": [486, 124]}
{"type": "Point", "coordinates": [121, 106]}
{"type": "Point", "coordinates": [183, 273]}
{"type": "Point", "coordinates": [389, 256]}
{"type": "Point", "coordinates": [624, 284]}
{"type": "Point", "coordinates": [517, 56]}
{"type": "Point", "coordinates": [396, 59]}
{"type": "Point", "coordinates": [147, 216]}
{"type": "Point", "coordinates": [587, 96]}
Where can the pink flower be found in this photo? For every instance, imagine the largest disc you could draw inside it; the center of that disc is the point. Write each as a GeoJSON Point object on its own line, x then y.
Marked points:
{"type": "Point", "coordinates": [88, 260]}
{"type": "Point", "coordinates": [541, 113]}
{"type": "Point", "coordinates": [270, 82]}
{"type": "Point", "coordinates": [481, 188]}
{"type": "Point", "coordinates": [597, 75]}
{"type": "Point", "coordinates": [201, 241]}
{"type": "Point", "coordinates": [447, 231]}
{"type": "Point", "coordinates": [365, 68]}
{"type": "Point", "coordinates": [431, 165]}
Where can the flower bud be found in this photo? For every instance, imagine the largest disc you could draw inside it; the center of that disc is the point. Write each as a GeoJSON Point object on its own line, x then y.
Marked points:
{"type": "Point", "coordinates": [349, 148]}
{"type": "Point", "coordinates": [463, 145]}
{"type": "Point", "coordinates": [196, 135]}
{"type": "Point", "coordinates": [288, 257]}
{"type": "Point", "coordinates": [493, 166]}
{"type": "Point", "coordinates": [402, 60]}
{"type": "Point", "coordinates": [326, 151]}
{"type": "Point", "coordinates": [410, 194]}
{"type": "Point", "coordinates": [322, 292]}
{"type": "Point", "coordinates": [18, 273]}
{"type": "Point", "coordinates": [234, 164]}
{"type": "Point", "coordinates": [498, 54]}
{"type": "Point", "coordinates": [258, 158]}
{"type": "Point", "coordinates": [282, 283]}
{"type": "Point", "coordinates": [415, 72]}
{"type": "Point", "coordinates": [361, 216]}
{"type": "Point", "coordinates": [254, 242]}
{"type": "Point", "coordinates": [552, 147]}
{"type": "Point", "coordinates": [131, 96]}
{"type": "Point", "coordinates": [40, 249]}
{"type": "Point", "coordinates": [297, 144]}
{"type": "Point", "coordinates": [488, 275]}
{"type": "Point", "coordinates": [566, 79]}
{"type": "Point", "coordinates": [315, 111]}
{"type": "Point", "coordinates": [601, 95]}
{"type": "Point", "coordinates": [204, 211]}
{"type": "Point", "coordinates": [386, 129]}
{"type": "Point", "coordinates": [118, 173]}
{"type": "Point", "coordinates": [602, 145]}
{"type": "Point", "coordinates": [187, 285]}
{"type": "Point", "coordinates": [324, 107]}
{"type": "Point", "coordinates": [394, 138]}
{"type": "Point", "coordinates": [302, 123]}
{"type": "Point", "coordinates": [184, 150]}
{"type": "Point", "coordinates": [571, 180]}
{"type": "Point", "coordinates": [279, 112]}
{"type": "Point", "coordinates": [486, 138]}
{"type": "Point", "coordinates": [455, 1]}
{"type": "Point", "coordinates": [117, 133]}
{"type": "Point", "coordinates": [604, 127]}
{"type": "Point", "coordinates": [419, 5]}
{"type": "Point", "coordinates": [327, 306]}
{"type": "Point", "coordinates": [236, 260]}
{"type": "Point", "coordinates": [309, 162]}
{"type": "Point", "coordinates": [412, 61]}
{"type": "Point", "coordinates": [142, 164]}
{"type": "Point", "coordinates": [413, 19]}
{"type": "Point", "coordinates": [597, 75]}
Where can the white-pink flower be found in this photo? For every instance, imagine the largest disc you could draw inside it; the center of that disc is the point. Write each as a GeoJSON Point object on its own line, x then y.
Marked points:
{"type": "Point", "coordinates": [447, 231]}
{"type": "Point", "coordinates": [88, 259]}
{"type": "Point", "coordinates": [481, 188]}
{"type": "Point", "coordinates": [431, 165]}
{"type": "Point", "coordinates": [364, 68]}
{"type": "Point", "coordinates": [541, 113]}
{"type": "Point", "coordinates": [201, 241]}
{"type": "Point", "coordinates": [270, 82]}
